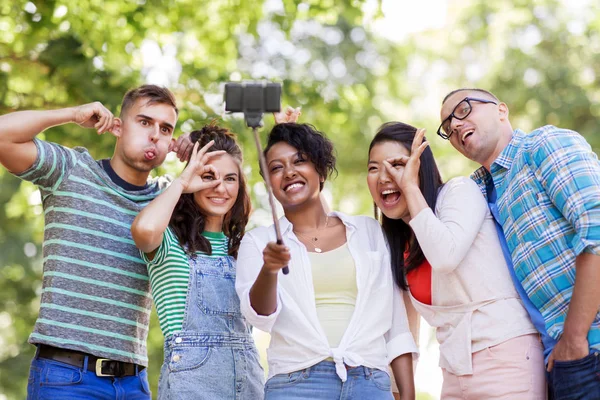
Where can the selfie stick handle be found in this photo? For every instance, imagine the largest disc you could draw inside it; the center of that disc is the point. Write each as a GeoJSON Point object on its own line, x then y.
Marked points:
{"type": "Point", "coordinates": [263, 167]}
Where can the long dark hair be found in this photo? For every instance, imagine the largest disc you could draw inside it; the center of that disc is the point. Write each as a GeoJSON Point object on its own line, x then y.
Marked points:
{"type": "Point", "coordinates": [399, 235]}
{"type": "Point", "coordinates": [188, 220]}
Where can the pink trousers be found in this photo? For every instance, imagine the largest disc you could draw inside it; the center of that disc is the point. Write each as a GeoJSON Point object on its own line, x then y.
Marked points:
{"type": "Point", "coordinates": [513, 370]}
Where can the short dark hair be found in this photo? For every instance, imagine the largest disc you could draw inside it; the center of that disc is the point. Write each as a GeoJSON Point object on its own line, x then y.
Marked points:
{"type": "Point", "coordinates": [470, 90]}
{"type": "Point", "coordinates": [311, 143]}
{"type": "Point", "coordinates": [155, 95]}
{"type": "Point", "coordinates": [188, 220]}
{"type": "Point", "coordinates": [399, 235]}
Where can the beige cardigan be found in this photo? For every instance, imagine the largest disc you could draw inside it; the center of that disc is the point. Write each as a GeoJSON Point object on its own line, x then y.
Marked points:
{"type": "Point", "coordinates": [474, 302]}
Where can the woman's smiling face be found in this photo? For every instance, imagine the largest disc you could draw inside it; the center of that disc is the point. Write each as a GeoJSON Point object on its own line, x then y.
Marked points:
{"type": "Point", "coordinates": [383, 188]}
{"type": "Point", "coordinates": [294, 178]}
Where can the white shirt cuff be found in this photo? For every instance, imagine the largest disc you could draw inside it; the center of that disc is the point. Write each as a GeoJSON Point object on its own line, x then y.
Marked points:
{"type": "Point", "coordinates": [263, 322]}
{"type": "Point", "coordinates": [402, 344]}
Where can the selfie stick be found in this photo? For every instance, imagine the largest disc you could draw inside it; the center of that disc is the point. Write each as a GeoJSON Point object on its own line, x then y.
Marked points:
{"type": "Point", "coordinates": [254, 121]}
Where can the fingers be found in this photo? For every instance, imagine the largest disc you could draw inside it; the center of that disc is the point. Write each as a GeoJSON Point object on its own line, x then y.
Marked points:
{"type": "Point", "coordinates": [420, 150]}
{"type": "Point", "coordinates": [418, 140]}
{"type": "Point", "coordinates": [276, 256]}
{"type": "Point", "coordinates": [195, 151]}
{"type": "Point", "coordinates": [204, 149]}
{"type": "Point", "coordinates": [211, 168]}
{"type": "Point", "coordinates": [108, 124]}
{"type": "Point", "coordinates": [183, 147]}
{"type": "Point", "coordinates": [103, 116]}
{"type": "Point", "coordinates": [290, 114]}
{"type": "Point", "coordinates": [390, 168]}
{"type": "Point", "coordinates": [184, 150]}
{"type": "Point", "coordinates": [295, 114]}
{"type": "Point", "coordinates": [550, 362]}
{"type": "Point", "coordinates": [400, 159]}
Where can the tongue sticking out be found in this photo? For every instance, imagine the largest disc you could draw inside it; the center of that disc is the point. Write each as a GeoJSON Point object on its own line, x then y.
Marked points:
{"type": "Point", "coordinates": [149, 155]}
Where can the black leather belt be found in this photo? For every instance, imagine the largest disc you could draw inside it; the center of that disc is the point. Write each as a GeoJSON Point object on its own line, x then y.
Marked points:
{"type": "Point", "coordinates": [101, 366]}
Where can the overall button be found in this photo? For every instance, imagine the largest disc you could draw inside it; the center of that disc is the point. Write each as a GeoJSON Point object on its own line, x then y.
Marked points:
{"type": "Point", "coordinates": [176, 357]}
{"type": "Point", "coordinates": [178, 340]}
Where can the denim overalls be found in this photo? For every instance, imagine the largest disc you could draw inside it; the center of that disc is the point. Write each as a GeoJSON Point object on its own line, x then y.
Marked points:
{"type": "Point", "coordinates": [213, 357]}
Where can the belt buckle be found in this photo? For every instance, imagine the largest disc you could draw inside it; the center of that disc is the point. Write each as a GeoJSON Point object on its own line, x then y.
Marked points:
{"type": "Point", "coordinates": [99, 367]}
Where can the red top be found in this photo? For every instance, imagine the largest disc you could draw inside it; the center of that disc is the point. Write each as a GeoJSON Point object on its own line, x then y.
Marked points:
{"type": "Point", "coordinates": [419, 282]}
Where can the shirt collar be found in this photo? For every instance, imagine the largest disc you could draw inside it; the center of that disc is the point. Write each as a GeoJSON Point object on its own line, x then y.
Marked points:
{"type": "Point", "coordinates": [506, 157]}
{"type": "Point", "coordinates": [482, 176]}
{"type": "Point", "coordinates": [286, 226]}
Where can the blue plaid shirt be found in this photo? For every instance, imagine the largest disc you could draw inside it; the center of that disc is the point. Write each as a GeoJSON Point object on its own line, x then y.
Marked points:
{"type": "Point", "coordinates": [548, 186]}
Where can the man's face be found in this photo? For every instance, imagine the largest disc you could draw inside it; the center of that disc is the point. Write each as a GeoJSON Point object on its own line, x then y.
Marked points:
{"type": "Point", "coordinates": [145, 135]}
{"type": "Point", "coordinates": [477, 135]}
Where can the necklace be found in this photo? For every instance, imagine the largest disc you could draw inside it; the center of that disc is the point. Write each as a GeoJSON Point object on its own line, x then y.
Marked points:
{"type": "Point", "coordinates": [314, 239]}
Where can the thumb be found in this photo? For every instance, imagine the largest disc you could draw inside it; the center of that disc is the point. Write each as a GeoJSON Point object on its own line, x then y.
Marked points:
{"type": "Point", "coordinates": [213, 183]}
{"type": "Point", "coordinates": [550, 362]}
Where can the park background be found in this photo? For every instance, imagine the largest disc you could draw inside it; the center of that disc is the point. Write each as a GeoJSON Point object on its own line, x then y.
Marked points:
{"type": "Point", "coordinates": [350, 64]}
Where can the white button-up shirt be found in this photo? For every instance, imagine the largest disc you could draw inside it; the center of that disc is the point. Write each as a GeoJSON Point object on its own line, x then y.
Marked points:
{"type": "Point", "coordinates": [378, 331]}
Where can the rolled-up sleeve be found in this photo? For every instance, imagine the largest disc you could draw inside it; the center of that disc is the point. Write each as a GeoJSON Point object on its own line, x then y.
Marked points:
{"type": "Point", "coordinates": [249, 264]}
{"type": "Point", "coordinates": [570, 172]}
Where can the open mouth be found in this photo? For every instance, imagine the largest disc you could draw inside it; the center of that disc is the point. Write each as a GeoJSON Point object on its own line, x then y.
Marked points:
{"type": "Point", "coordinates": [293, 187]}
{"type": "Point", "coordinates": [390, 197]}
{"type": "Point", "coordinates": [466, 134]}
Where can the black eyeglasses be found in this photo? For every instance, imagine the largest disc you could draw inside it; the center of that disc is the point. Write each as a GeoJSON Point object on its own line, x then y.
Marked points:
{"type": "Point", "coordinates": [461, 111]}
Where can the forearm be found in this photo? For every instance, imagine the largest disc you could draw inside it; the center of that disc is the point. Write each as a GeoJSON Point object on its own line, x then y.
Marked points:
{"type": "Point", "coordinates": [149, 226]}
{"type": "Point", "coordinates": [585, 300]}
{"type": "Point", "coordinates": [24, 126]}
{"type": "Point", "coordinates": [402, 368]}
{"type": "Point", "coordinates": [263, 294]}
{"type": "Point", "coordinates": [415, 200]}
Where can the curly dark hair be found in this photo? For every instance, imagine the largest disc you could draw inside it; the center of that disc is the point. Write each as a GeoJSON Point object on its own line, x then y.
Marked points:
{"type": "Point", "coordinates": [399, 235]}
{"type": "Point", "coordinates": [311, 143]}
{"type": "Point", "coordinates": [188, 220]}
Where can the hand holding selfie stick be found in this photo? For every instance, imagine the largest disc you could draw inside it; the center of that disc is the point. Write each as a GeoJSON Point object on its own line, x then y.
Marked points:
{"type": "Point", "coordinates": [253, 99]}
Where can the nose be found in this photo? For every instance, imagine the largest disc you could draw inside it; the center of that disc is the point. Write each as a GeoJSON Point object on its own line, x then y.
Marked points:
{"type": "Point", "coordinates": [289, 171]}
{"type": "Point", "coordinates": [220, 188]}
{"type": "Point", "coordinates": [455, 124]}
{"type": "Point", "coordinates": [155, 133]}
{"type": "Point", "coordinates": [384, 177]}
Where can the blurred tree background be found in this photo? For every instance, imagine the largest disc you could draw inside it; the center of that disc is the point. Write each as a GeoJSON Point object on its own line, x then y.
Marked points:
{"type": "Point", "coordinates": [351, 65]}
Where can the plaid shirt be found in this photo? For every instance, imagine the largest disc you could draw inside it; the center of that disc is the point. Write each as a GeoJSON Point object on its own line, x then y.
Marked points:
{"type": "Point", "coordinates": [548, 186]}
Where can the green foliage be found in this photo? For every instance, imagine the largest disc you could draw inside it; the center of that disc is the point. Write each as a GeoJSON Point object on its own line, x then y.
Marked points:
{"type": "Point", "coordinates": [537, 56]}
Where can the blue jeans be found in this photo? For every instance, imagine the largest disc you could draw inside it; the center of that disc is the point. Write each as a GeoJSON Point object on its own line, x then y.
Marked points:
{"type": "Point", "coordinates": [213, 357]}
{"type": "Point", "coordinates": [321, 382]}
{"type": "Point", "coordinates": [575, 380]}
{"type": "Point", "coordinates": [53, 380]}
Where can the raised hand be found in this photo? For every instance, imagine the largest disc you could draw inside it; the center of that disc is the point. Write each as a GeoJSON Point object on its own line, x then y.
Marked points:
{"type": "Point", "coordinates": [408, 177]}
{"type": "Point", "coordinates": [183, 147]}
{"type": "Point", "coordinates": [94, 115]}
{"type": "Point", "coordinates": [275, 257]}
{"type": "Point", "coordinates": [290, 114]}
{"type": "Point", "coordinates": [192, 176]}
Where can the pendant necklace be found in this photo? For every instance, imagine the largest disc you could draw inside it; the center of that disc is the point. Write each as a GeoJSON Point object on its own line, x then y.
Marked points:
{"type": "Point", "coordinates": [313, 240]}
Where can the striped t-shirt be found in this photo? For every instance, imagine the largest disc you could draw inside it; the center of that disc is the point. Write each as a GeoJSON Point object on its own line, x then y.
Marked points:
{"type": "Point", "coordinates": [169, 273]}
{"type": "Point", "coordinates": [95, 289]}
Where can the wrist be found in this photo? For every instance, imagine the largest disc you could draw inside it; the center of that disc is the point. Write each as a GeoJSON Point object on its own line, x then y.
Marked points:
{"type": "Point", "coordinates": [269, 272]}
{"type": "Point", "coordinates": [574, 334]}
{"type": "Point", "coordinates": [71, 115]}
{"type": "Point", "coordinates": [179, 185]}
{"type": "Point", "coordinates": [410, 188]}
